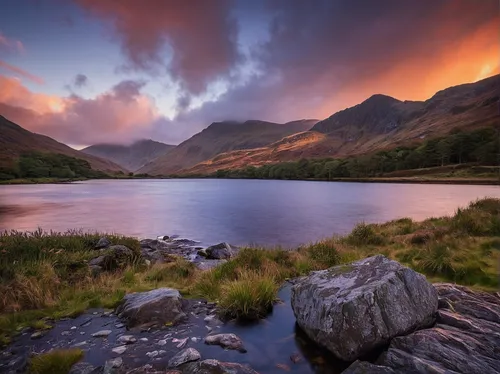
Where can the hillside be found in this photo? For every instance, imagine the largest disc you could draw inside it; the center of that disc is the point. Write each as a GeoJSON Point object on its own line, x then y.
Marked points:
{"type": "Point", "coordinates": [14, 141]}
{"type": "Point", "coordinates": [380, 122]}
{"type": "Point", "coordinates": [131, 157]}
{"type": "Point", "coordinates": [222, 137]}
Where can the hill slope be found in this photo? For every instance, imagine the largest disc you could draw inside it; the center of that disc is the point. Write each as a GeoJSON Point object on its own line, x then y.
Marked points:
{"type": "Point", "coordinates": [15, 140]}
{"type": "Point", "coordinates": [222, 137]}
{"type": "Point", "coordinates": [380, 122]}
{"type": "Point", "coordinates": [131, 157]}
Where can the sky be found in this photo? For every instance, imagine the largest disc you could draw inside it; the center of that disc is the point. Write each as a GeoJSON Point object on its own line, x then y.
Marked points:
{"type": "Point", "coordinates": [115, 71]}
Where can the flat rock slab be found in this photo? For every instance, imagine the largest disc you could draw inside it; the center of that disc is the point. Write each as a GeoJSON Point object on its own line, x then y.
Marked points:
{"type": "Point", "coordinates": [186, 355]}
{"type": "Point", "coordinates": [353, 309]}
{"type": "Point", "coordinates": [153, 308]}
{"type": "Point", "coordinates": [216, 367]}
{"type": "Point", "coordinates": [466, 338]}
{"type": "Point", "coordinates": [227, 341]}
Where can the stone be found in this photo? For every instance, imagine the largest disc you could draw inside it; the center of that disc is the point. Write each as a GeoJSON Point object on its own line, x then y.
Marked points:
{"type": "Point", "coordinates": [152, 354]}
{"type": "Point", "coordinates": [162, 342]}
{"type": "Point", "coordinates": [216, 367]}
{"type": "Point", "coordinates": [121, 251]}
{"type": "Point", "coordinates": [101, 334]}
{"type": "Point", "coordinates": [126, 339]}
{"type": "Point", "coordinates": [221, 251]}
{"type": "Point", "coordinates": [143, 339]}
{"type": "Point", "coordinates": [119, 350]}
{"type": "Point", "coordinates": [81, 344]}
{"type": "Point", "coordinates": [164, 237]}
{"type": "Point", "coordinates": [102, 243]}
{"type": "Point", "coordinates": [353, 309]}
{"type": "Point", "coordinates": [465, 339]}
{"type": "Point", "coordinates": [111, 365]}
{"type": "Point", "coordinates": [82, 368]}
{"type": "Point", "coordinates": [186, 355]}
{"type": "Point", "coordinates": [157, 307]}
{"type": "Point", "coordinates": [227, 341]}
{"type": "Point", "coordinates": [363, 367]}
{"type": "Point", "coordinates": [37, 335]}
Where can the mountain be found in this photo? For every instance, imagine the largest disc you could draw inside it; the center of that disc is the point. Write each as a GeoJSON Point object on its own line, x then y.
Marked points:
{"type": "Point", "coordinates": [222, 137]}
{"type": "Point", "coordinates": [378, 123]}
{"type": "Point", "coordinates": [131, 157]}
{"type": "Point", "coordinates": [15, 140]}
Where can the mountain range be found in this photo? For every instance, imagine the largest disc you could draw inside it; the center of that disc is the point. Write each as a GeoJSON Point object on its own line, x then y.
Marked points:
{"type": "Point", "coordinates": [131, 157]}
{"type": "Point", "coordinates": [378, 123]}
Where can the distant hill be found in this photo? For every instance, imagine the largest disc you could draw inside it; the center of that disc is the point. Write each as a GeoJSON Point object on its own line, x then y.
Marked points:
{"type": "Point", "coordinates": [222, 137]}
{"type": "Point", "coordinates": [15, 141]}
{"type": "Point", "coordinates": [378, 123]}
{"type": "Point", "coordinates": [131, 157]}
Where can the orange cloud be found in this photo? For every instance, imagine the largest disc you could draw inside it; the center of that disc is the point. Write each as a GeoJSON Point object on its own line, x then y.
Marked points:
{"type": "Point", "coordinates": [21, 72]}
{"type": "Point", "coordinates": [118, 115]}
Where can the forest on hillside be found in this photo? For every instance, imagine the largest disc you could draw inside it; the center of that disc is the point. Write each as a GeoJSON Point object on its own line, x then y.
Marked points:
{"type": "Point", "coordinates": [480, 147]}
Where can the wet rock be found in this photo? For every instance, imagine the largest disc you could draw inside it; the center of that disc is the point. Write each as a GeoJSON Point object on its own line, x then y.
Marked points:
{"type": "Point", "coordinates": [121, 251]}
{"type": "Point", "coordinates": [156, 307]}
{"type": "Point", "coordinates": [152, 354]}
{"type": "Point", "coordinates": [37, 335]}
{"type": "Point", "coordinates": [227, 341]}
{"type": "Point", "coordinates": [363, 367]}
{"type": "Point", "coordinates": [216, 367]}
{"type": "Point", "coordinates": [162, 342]}
{"type": "Point", "coordinates": [18, 364]}
{"type": "Point", "coordinates": [82, 368]}
{"type": "Point", "coordinates": [103, 243]}
{"type": "Point", "coordinates": [180, 342]}
{"type": "Point", "coordinates": [465, 339]}
{"type": "Point", "coordinates": [111, 366]}
{"type": "Point", "coordinates": [221, 251]}
{"type": "Point", "coordinates": [202, 253]}
{"type": "Point", "coordinates": [101, 334]}
{"type": "Point", "coordinates": [127, 339]}
{"type": "Point", "coordinates": [164, 237]}
{"type": "Point", "coordinates": [154, 257]}
{"type": "Point", "coordinates": [143, 339]}
{"type": "Point", "coordinates": [186, 355]}
{"type": "Point", "coordinates": [154, 245]}
{"type": "Point", "coordinates": [212, 320]}
{"type": "Point", "coordinates": [352, 309]}
{"type": "Point", "coordinates": [119, 350]}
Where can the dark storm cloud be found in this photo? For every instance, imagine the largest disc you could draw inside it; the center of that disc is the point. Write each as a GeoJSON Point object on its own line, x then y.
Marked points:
{"type": "Point", "coordinates": [194, 40]}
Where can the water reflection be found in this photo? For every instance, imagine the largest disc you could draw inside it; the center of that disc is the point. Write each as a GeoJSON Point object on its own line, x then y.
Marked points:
{"type": "Point", "coordinates": [285, 213]}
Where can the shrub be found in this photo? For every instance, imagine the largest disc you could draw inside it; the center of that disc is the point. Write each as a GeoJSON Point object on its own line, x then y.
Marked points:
{"type": "Point", "coordinates": [323, 253]}
{"type": "Point", "coordinates": [57, 361]}
{"type": "Point", "coordinates": [364, 234]}
{"type": "Point", "coordinates": [437, 260]}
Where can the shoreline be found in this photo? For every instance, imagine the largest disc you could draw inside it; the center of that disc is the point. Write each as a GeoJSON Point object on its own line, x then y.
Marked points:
{"type": "Point", "coordinates": [400, 180]}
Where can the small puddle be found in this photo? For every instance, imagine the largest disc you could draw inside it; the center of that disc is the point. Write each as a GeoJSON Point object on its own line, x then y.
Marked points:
{"type": "Point", "coordinates": [273, 345]}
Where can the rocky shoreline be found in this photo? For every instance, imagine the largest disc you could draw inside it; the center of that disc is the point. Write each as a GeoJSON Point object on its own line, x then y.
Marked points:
{"type": "Point", "coordinates": [371, 316]}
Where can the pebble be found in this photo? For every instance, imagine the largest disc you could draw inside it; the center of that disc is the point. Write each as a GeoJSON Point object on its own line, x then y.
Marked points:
{"type": "Point", "coordinates": [162, 342]}
{"type": "Point", "coordinates": [119, 325]}
{"type": "Point", "coordinates": [73, 328]}
{"type": "Point", "coordinates": [127, 339]}
{"type": "Point", "coordinates": [152, 354]}
{"type": "Point", "coordinates": [65, 333]}
{"type": "Point", "coordinates": [112, 364]}
{"type": "Point", "coordinates": [80, 344]}
{"type": "Point", "coordinates": [36, 335]}
{"type": "Point", "coordinates": [194, 339]}
{"type": "Point", "coordinates": [102, 334]}
{"type": "Point", "coordinates": [119, 350]}
{"type": "Point", "coordinates": [143, 339]}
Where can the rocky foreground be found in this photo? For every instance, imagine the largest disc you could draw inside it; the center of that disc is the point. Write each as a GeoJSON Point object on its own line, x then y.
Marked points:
{"type": "Point", "coordinates": [372, 316]}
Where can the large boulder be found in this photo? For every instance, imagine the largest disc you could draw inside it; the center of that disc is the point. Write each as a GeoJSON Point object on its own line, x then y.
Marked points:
{"type": "Point", "coordinates": [221, 251]}
{"type": "Point", "coordinates": [352, 309]}
{"type": "Point", "coordinates": [153, 308]}
{"type": "Point", "coordinates": [216, 367]}
{"type": "Point", "coordinates": [111, 258]}
{"type": "Point", "coordinates": [466, 338]}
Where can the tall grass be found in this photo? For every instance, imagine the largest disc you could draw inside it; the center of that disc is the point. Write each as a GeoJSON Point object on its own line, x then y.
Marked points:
{"type": "Point", "coordinates": [58, 361]}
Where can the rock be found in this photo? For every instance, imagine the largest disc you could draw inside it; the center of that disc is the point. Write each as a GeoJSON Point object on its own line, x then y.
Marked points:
{"type": "Point", "coordinates": [227, 341]}
{"type": "Point", "coordinates": [152, 354]}
{"type": "Point", "coordinates": [221, 251]}
{"type": "Point", "coordinates": [153, 244]}
{"type": "Point", "coordinates": [202, 253]}
{"type": "Point", "coordinates": [143, 339]}
{"type": "Point", "coordinates": [186, 355]}
{"type": "Point", "coordinates": [363, 367]}
{"type": "Point", "coordinates": [120, 251]}
{"type": "Point", "coordinates": [352, 309]}
{"type": "Point", "coordinates": [216, 367]}
{"type": "Point", "coordinates": [111, 365]}
{"type": "Point", "coordinates": [82, 368]}
{"type": "Point", "coordinates": [465, 339]}
{"type": "Point", "coordinates": [81, 344]}
{"type": "Point", "coordinates": [119, 350]}
{"type": "Point", "coordinates": [154, 257]}
{"type": "Point", "coordinates": [101, 334]}
{"type": "Point", "coordinates": [103, 243]}
{"type": "Point", "coordinates": [180, 342]}
{"type": "Point", "coordinates": [212, 320]}
{"type": "Point", "coordinates": [37, 335]}
{"type": "Point", "coordinates": [164, 237]}
{"type": "Point", "coordinates": [127, 339]}
{"type": "Point", "coordinates": [156, 307]}
{"type": "Point", "coordinates": [162, 342]}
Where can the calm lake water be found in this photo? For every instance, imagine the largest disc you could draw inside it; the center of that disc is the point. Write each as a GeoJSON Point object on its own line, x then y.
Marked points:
{"type": "Point", "coordinates": [265, 212]}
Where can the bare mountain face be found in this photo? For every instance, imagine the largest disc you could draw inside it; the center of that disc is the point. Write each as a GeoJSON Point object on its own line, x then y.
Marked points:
{"type": "Point", "coordinates": [15, 140]}
{"type": "Point", "coordinates": [380, 122]}
{"type": "Point", "coordinates": [131, 157]}
{"type": "Point", "coordinates": [222, 137]}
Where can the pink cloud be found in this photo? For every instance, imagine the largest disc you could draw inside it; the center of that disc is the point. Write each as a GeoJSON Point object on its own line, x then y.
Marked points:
{"type": "Point", "coordinates": [21, 72]}
{"type": "Point", "coordinates": [11, 44]}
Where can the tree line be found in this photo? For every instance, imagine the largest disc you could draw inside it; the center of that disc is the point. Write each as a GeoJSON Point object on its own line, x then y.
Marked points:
{"type": "Point", "coordinates": [481, 147]}
{"type": "Point", "coordinates": [49, 165]}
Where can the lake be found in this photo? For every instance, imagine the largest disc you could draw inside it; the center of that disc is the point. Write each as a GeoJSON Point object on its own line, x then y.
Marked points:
{"type": "Point", "coordinates": [264, 212]}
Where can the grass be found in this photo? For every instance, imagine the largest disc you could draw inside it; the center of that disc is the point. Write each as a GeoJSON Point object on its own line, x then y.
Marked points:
{"type": "Point", "coordinates": [44, 276]}
{"type": "Point", "coordinates": [57, 361]}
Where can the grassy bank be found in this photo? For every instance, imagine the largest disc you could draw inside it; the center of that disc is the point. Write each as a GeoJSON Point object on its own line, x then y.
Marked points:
{"type": "Point", "coordinates": [45, 275]}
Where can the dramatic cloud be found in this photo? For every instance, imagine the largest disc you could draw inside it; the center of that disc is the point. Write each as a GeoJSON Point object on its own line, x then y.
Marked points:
{"type": "Point", "coordinates": [194, 40]}
{"type": "Point", "coordinates": [119, 115]}
{"type": "Point", "coordinates": [11, 45]}
{"type": "Point", "coordinates": [20, 72]}
{"type": "Point", "coordinates": [80, 80]}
